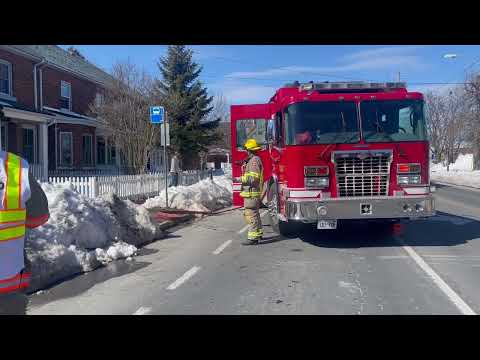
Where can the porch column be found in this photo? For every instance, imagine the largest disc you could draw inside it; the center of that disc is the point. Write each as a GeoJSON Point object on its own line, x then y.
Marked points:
{"type": "Point", "coordinates": [43, 140]}
{"type": "Point", "coordinates": [117, 156]}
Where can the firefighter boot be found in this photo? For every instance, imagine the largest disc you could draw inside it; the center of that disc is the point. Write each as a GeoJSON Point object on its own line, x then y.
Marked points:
{"type": "Point", "coordinates": [255, 232]}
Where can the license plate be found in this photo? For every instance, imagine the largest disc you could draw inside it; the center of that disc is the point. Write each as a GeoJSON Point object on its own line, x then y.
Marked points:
{"type": "Point", "coordinates": [327, 224]}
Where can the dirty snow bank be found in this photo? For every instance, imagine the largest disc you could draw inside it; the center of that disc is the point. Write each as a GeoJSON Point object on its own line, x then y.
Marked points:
{"type": "Point", "coordinates": [82, 234]}
{"type": "Point", "coordinates": [206, 195]}
{"type": "Point", "coordinates": [460, 173]}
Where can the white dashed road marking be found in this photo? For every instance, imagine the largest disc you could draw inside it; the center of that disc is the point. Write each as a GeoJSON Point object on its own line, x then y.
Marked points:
{"type": "Point", "coordinates": [447, 290]}
{"type": "Point", "coordinates": [142, 311]}
{"type": "Point", "coordinates": [222, 247]}
{"type": "Point", "coordinates": [183, 278]}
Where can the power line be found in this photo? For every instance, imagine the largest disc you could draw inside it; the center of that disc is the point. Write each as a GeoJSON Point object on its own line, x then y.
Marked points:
{"type": "Point", "coordinates": [274, 82]}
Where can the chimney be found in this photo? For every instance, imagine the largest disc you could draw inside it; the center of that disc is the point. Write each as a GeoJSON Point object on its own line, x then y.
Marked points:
{"type": "Point", "coordinates": [74, 52]}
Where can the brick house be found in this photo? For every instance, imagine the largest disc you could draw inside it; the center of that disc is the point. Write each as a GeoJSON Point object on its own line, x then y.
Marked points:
{"type": "Point", "coordinates": [45, 94]}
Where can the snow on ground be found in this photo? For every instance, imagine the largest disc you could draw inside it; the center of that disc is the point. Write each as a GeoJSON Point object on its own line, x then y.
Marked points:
{"type": "Point", "coordinates": [206, 195]}
{"type": "Point", "coordinates": [460, 172]}
{"type": "Point", "coordinates": [82, 234]}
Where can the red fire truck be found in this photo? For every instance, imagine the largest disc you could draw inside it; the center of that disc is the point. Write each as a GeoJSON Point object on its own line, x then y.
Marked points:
{"type": "Point", "coordinates": [336, 151]}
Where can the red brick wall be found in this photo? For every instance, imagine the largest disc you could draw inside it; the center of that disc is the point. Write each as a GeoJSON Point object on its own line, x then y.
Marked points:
{"type": "Point", "coordinates": [77, 132]}
{"type": "Point", "coordinates": [82, 91]}
{"type": "Point", "coordinates": [22, 76]}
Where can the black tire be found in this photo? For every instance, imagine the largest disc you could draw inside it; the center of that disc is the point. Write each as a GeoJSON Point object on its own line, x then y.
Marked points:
{"type": "Point", "coordinates": [283, 228]}
{"type": "Point", "coordinates": [289, 228]}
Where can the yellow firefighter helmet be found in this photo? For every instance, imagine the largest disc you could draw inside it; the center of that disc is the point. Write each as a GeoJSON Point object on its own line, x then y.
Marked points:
{"type": "Point", "coordinates": [252, 145]}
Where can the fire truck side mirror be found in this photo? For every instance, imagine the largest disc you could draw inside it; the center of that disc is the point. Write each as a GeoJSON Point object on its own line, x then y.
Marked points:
{"type": "Point", "coordinates": [271, 133]}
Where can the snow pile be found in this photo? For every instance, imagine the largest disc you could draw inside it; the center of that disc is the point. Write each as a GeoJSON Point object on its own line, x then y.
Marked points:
{"type": "Point", "coordinates": [460, 172]}
{"type": "Point", "coordinates": [463, 163]}
{"type": "Point", "coordinates": [84, 233]}
{"type": "Point", "coordinates": [206, 195]}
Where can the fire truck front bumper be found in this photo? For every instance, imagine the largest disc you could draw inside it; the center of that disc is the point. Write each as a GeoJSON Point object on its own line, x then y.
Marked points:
{"type": "Point", "coordinates": [391, 207]}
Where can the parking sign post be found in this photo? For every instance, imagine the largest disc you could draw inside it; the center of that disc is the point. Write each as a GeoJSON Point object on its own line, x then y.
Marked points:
{"type": "Point", "coordinates": [158, 115]}
{"type": "Point", "coordinates": [165, 157]}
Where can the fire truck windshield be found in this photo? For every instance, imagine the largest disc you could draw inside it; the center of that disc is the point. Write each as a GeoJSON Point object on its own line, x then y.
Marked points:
{"type": "Point", "coordinates": [321, 123]}
{"type": "Point", "coordinates": [393, 120]}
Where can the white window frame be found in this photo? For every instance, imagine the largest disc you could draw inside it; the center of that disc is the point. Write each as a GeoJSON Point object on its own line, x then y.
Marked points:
{"type": "Point", "coordinates": [10, 77]}
{"type": "Point", "coordinates": [62, 84]}
{"type": "Point", "coordinates": [62, 165]}
{"type": "Point", "coordinates": [35, 152]}
{"type": "Point", "coordinates": [96, 149]}
{"type": "Point", "coordinates": [91, 151]}
{"type": "Point", "coordinates": [99, 99]}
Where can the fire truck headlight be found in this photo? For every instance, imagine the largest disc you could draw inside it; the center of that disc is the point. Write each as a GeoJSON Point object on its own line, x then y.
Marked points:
{"type": "Point", "coordinates": [317, 182]}
{"type": "Point", "coordinates": [322, 210]}
{"type": "Point", "coordinates": [408, 179]}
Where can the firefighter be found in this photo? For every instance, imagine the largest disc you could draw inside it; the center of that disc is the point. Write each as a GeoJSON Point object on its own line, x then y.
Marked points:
{"type": "Point", "coordinates": [23, 205]}
{"type": "Point", "coordinates": [252, 183]}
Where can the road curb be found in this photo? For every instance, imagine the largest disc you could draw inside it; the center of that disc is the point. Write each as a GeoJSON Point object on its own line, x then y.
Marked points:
{"type": "Point", "coordinates": [464, 187]}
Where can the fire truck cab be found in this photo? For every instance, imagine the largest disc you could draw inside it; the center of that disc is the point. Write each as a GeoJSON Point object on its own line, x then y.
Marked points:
{"type": "Point", "coordinates": [338, 150]}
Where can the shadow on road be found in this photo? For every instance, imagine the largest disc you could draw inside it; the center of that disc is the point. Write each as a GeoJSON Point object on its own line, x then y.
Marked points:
{"type": "Point", "coordinates": [13, 304]}
{"type": "Point", "coordinates": [444, 229]}
{"type": "Point", "coordinates": [80, 283]}
{"type": "Point", "coordinates": [271, 239]}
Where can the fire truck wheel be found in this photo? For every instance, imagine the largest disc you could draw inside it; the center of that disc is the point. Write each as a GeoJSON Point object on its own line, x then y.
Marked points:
{"type": "Point", "coordinates": [283, 228]}
{"type": "Point", "coordinates": [288, 229]}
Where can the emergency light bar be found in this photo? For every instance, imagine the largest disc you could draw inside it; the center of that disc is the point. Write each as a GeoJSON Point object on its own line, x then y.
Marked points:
{"type": "Point", "coordinates": [351, 85]}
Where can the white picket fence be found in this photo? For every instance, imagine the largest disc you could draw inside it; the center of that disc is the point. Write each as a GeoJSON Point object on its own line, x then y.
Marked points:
{"type": "Point", "coordinates": [125, 186]}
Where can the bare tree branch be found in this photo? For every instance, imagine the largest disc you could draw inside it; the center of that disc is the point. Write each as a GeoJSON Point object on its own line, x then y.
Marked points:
{"type": "Point", "coordinates": [125, 112]}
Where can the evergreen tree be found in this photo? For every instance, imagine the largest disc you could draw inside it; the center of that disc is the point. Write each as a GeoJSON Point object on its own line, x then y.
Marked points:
{"type": "Point", "coordinates": [187, 103]}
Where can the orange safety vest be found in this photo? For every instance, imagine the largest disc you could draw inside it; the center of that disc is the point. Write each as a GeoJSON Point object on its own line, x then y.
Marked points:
{"type": "Point", "coordinates": [14, 193]}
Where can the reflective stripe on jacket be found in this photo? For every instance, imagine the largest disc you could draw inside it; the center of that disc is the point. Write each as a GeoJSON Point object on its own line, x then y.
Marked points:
{"type": "Point", "coordinates": [14, 193]}
{"type": "Point", "coordinates": [252, 178]}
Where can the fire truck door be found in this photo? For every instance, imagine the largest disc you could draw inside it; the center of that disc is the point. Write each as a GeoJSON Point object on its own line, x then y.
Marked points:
{"type": "Point", "coordinates": [249, 121]}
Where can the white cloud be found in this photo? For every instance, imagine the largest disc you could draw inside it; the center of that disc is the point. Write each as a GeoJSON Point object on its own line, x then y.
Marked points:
{"type": "Point", "coordinates": [436, 88]}
{"type": "Point", "coordinates": [387, 58]}
{"type": "Point", "coordinates": [240, 93]}
{"type": "Point", "coordinates": [384, 51]}
{"type": "Point", "coordinates": [245, 94]}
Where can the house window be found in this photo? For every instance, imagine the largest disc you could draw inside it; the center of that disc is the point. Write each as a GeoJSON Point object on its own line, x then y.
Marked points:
{"type": "Point", "coordinates": [87, 150]}
{"type": "Point", "coordinates": [112, 153]}
{"type": "Point", "coordinates": [4, 136]}
{"type": "Point", "coordinates": [66, 149]}
{"type": "Point", "coordinates": [65, 95]}
{"type": "Point", "coordinates": [28, 148]}
{"type": "Point", "coordinates": [99, 99]}
{"type": "Point", "coordinates": [5, 78]}
{"type": "Point", "coordinates": [101, 150]}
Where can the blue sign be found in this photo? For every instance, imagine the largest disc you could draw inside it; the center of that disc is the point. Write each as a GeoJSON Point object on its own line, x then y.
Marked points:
{"type": "Point", "coordinates": [157, 114]}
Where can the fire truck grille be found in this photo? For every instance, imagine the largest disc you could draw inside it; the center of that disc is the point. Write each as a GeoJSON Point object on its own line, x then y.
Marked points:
{"type": "Point", "coordinates": [363, 177]}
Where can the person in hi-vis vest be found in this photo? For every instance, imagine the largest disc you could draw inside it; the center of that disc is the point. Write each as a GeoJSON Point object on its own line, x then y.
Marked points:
{"type": "Point", "coordinates": [23, 204]}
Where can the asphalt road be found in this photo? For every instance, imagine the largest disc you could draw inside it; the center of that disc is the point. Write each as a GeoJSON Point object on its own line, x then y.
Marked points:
{"type": "Point", "coordinates": [430, 267]}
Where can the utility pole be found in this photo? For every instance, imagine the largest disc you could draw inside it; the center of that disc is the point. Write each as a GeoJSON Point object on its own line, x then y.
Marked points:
{"type": "Point", "coordinates": [398, 76]}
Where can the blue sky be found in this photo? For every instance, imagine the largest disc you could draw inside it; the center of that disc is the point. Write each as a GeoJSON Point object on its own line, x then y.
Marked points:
{"type": "Point", "coordinates": [251, 74]}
